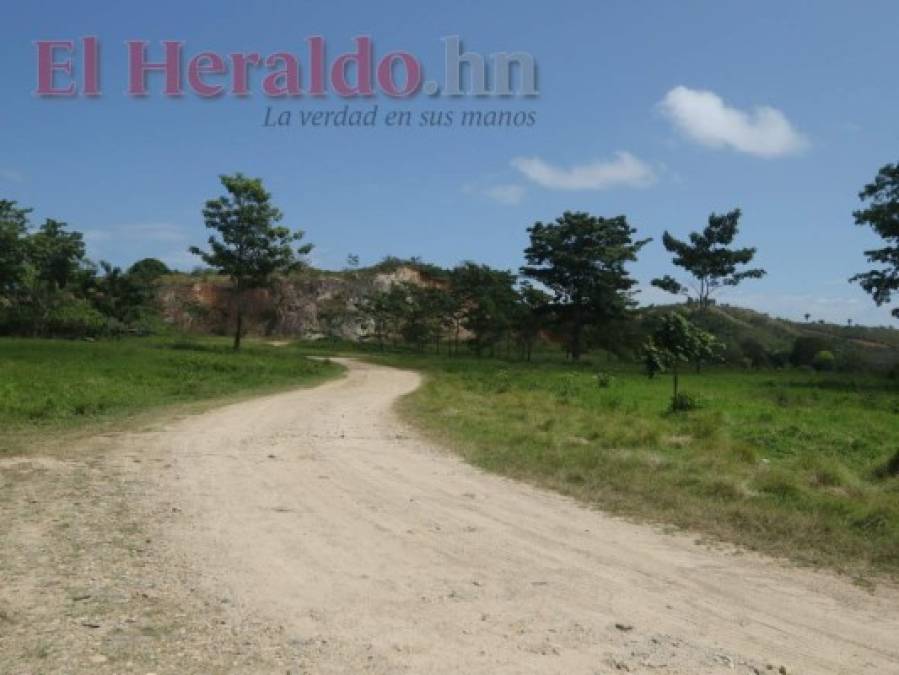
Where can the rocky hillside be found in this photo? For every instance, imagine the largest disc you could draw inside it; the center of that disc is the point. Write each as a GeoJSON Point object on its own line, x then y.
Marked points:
{"type": "Point", "coordinates": [308, 304]}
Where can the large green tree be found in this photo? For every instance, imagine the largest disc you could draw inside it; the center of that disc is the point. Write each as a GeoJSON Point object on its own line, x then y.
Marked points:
{"type": "Point", "coordinates": [709, 259]}
{"type": "Point", "coordinates": [882, 215]}
{"type": "Point", "coordinates": [57, 274]}
{"type": "Point", "coordinates": [581, 258]}
{"type": "Point", "coordinates": [57, 254]}
{"type": "Point", "coordinates": [13, 228]}
{"type": "Point", "coordinates": [487, 300]}
{"type": "Point", "coordinates": [249, 247]}
{"type": "Point", "coordinates": [532, 314]}
{"type": "Point", "coordinates": [382, 313]}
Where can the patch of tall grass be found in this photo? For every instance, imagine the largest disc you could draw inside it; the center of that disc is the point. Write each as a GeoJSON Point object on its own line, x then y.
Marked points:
{"type": "Point", "coordinates": [793, 463]}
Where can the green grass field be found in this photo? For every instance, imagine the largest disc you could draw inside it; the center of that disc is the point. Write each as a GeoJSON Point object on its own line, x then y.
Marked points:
{"type": "Point", "coordinates": [792, 463]}
{"type": "Point", "coordinates": [56, 385]}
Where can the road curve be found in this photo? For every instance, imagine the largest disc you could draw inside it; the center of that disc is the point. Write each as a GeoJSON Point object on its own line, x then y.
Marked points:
{"type": "Point", "coordinates": [376, 552]}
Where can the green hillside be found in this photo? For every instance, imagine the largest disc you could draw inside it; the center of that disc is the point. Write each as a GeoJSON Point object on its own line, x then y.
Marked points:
{"type": "Point", "coordinates": [868, 347]}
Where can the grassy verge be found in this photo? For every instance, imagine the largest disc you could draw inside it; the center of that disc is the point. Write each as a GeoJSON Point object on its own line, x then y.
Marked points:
{"type": "Point", "coordinates": [52, 386]}
{"type": "Point", "coordinates": [789, 463]}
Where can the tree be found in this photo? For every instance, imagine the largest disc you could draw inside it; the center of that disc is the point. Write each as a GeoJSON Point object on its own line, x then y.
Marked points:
{"type": "Point", "coordinates": [708, 258]}
{"type": "Point", "coordinates": [13, 229]}
{"type": "Point", "coordinates": [807, 317]}
{"type": "Point", "coordinates": [55, 270]}
{"type": "Point", "coordinates": [127, 296]}
{"type": "Point", "coordinates": [117, 294]}
{"type": "Point", "coordinates": [581, 258]}
{"type": "Point", "coordinates": [56, 254]}
{"type": "Point", "coordinates": [148, 269]}
{"type": "Point", "coordinates": [805, 348]}
{"type": "Point", "coordinates": [530, 316]}
{"type": "Point", "coordinates": [674, 342]}
{"type": "Point", "coordinates": [882, 215]}
{"type": "Point", "coordinates": [334, 313]}
{"type": "Point", "coordinates": [382, 312]}
{"type": "Point", "coordinates": [755, 352]}
{"type": "Point", "coordinates": [250, 248]}
{"type": "Point", "coordinates": [438, 305]}
{"type": "Point", "coordinates": [487, 300]}
{"type": "Point", "coordinates": [824, 361]}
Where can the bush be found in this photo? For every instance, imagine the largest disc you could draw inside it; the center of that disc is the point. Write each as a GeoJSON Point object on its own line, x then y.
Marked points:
{"type": "Point", "coordinates": [502, 382]}
{"type": "Point", "coordinates": [824, 361]}
{"type": "Point", "coordinates": [604, 380]}
{"type": "Point", "coordinates": [806, 348]}
{"type": "Point", "coordinates": [780, 359]}
{"type": "Point", "coordinates": [890, 468]}
{"type": "Point", "coordinates": [684, 402]}
{"type": "Point", "coordinates": [754, 353]}
{"type": "Point", "coordinates": [75, 319]}
{"type": "Point", "coordinates": [566, 388]}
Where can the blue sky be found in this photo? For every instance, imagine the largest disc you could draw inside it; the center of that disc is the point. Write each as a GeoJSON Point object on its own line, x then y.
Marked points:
{"type": "Point", "coordinates": [661, 111]}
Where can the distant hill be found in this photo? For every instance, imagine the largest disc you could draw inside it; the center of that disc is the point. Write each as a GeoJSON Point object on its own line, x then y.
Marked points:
{"type": "Point", "coordinates": [859, 345]}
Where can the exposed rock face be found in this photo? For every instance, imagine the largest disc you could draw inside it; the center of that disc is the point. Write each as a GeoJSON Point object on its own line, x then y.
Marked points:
{"type": "Point", "coordinates": [308, 304]}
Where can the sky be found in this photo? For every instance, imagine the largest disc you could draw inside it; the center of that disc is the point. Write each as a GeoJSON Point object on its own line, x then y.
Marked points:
{"type": "Point", "coordinates": [664, 112]}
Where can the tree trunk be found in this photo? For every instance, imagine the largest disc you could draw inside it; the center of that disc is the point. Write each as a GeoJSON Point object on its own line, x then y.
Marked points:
{"type": "Point", "coordinates": [576, 341]}
{"type": "Point", "coordinates": [239, 330]}
{"type": "Point", "coordinates": [674, 372]}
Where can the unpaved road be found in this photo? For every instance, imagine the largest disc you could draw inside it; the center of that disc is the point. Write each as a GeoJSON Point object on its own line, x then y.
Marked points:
{"type": "Point", "coordinates": [327, 537]}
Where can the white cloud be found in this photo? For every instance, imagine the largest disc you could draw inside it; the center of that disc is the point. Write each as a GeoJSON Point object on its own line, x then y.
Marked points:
{"type": "Point", "coordinates": [510, 194]}
{"type": "Point", "coordinates": [704, 117]}
{"type": "Point", "coordinates": [624, 170]}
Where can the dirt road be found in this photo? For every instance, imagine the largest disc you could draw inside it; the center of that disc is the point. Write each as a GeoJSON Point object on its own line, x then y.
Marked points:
{"type": "Point", "coordinates": [317, 520]}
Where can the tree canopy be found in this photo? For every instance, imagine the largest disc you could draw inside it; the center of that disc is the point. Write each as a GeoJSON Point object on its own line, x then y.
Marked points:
{"type": "Point", "coordinates": [674, 342]}
{"type": "Point", "coordinates": [581, 259]}
{"type": "Point", "coordinates": [708, 258]}
{"type": "Point", "coordinates": [13, 227]}
{"type": "Point", "coordinates": [882, 215]}
{"type": "Point", "coordinates": [249, 246]}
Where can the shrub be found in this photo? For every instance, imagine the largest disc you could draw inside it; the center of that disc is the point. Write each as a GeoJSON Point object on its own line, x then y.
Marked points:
{"type": "Point", "coordinates": [824, 361]}
{"type": "Point", "coordinates": [780, 359]}
{"type": "Point", "coordinates": [502, 382]}
{"type": "Point", "coordinates": [684, 402]}
{"type": "Point", "coordinates": [75, 319]}
{"type": "Point", "coordinates": [754, 353]}
{"type": "Point", "coordinates": [604, 380]}
{"type": "Point", "coordinates": [890, 468]}
{"type": "Point", "coordinates": [805, 349]}
{"type": "Point", "coordinates": [779, 484]}
{"type": "Point", "coordinates": [566, 388]}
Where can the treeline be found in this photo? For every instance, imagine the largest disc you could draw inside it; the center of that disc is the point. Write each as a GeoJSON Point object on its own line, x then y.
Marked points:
{"type": "Point", "coordinates": [474, 309]}
{"type": "Point", "coordinates": [575, 288]}
{"type": "Point", "coordinates": [48, 287]}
